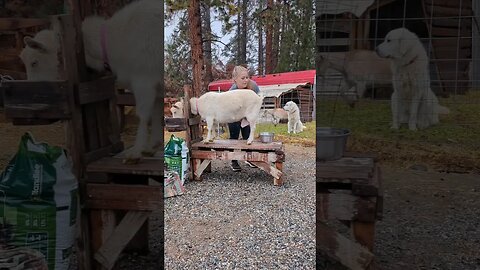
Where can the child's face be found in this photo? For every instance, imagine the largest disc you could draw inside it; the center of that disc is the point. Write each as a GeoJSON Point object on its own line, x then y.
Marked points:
{"type": "Point", "coordinates": [242, 80]}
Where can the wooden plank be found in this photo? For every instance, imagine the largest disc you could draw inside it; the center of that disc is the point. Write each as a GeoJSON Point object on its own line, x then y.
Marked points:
{"type": "Point", "coordinates": [196, 163]}
{"type": "Point", "coordinates": [202, 165]}
{"type": "Point", "coordinates": [27, 99]}
{"type": "Point", "coordinates": [16, 74]}
{"type": "Point", "coordinates": [451, 32]}
{"type": "Point", "coordinates": [104, 122]}
{"type": "Point", "coordinates": [379, 182]}
{"type": "Point", "coordinates": [89, 114]}
{"type": "Point", "coordinates": [451, 53]}
{"type": "Point", "coordinates": [102, 223]}
{"type": "Point", "coordinates": [346, 167]}
{"type": "Point", "coordinates": [175, 124]}
{"type": "Point", "coordinates": [12, 24]}
{"type": "Point", "coordinates": [112, 196]}
{"type": "Point", "coordinates": [148, 166]}
{"type": "Point", "coordinates": [364, 233]}
{"type": "Point", "coordinates": [276, 173]}
{"type": "Point", "coordinates": [342, 206]}
{"type": "Point", "coordinates": [109, 252]}
{"type": "Point", "coordinates": [446, 11]}
{"type": "Point", "coordinates": [97, 90]}
{"type": "Point", "coordinates": [452, 42]}
{"type": "Point", "coordinates": [342, 249]}
{"type": "Point", "coordinates": [126, 99]}
{"type": "Point", "coordinates": [238, 155]}
{"type": "Point", "coordinates": [449, 3]}
{"type": "Point", "coordinates": [278, 181]}
{"type": "Point", "coordinates": [240, 145]}
{"type": "Point", "coordinates": [103, 152]}
{"type": "Point", "coordinates": [32, 121]}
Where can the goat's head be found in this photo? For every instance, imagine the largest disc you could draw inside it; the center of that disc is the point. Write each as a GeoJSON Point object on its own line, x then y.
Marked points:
{"type": "Point", "coordinates": [40, 56]}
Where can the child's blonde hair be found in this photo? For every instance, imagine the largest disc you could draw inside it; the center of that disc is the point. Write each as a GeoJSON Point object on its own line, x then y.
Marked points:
{"type": "Point", "coordinates": [236, 72]}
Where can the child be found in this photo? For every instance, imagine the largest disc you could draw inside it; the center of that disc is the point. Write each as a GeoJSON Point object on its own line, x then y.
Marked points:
{"type": "Point", "coordinates": [241, 81]}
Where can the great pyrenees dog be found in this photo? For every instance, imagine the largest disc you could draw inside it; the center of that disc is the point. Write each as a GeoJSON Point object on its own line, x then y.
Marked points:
{"type": "Point", "coordinates": [413, 101]}
{"type": "Point", "coordinates": [295, 125]}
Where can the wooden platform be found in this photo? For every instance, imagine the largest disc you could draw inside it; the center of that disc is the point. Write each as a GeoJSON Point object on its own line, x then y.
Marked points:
{"type": "Point", "coordinates": [120, 200]}
{"type": "Point", "coordinates": [266, 156]}
{"type": "Point", "coordinates": [349, 190]}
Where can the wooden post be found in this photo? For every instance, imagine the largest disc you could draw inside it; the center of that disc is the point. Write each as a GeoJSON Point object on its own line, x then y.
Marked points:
{"type": "Point", "coordinates": [364, 233]}
{"type": "Point", "coordinates": [64, 26]}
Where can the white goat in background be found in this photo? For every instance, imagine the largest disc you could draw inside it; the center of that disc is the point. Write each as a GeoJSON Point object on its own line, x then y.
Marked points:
{"type": "Point", "coordinates": [359, 68]}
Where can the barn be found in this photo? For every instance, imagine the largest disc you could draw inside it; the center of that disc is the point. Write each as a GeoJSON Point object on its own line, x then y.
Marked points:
{"type": "Point", "coordinates": [279, 88]}
{"type": "Point", "coordinates": [448, 30]}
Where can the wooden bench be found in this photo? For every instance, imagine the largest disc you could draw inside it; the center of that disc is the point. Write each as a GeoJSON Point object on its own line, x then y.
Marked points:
{"type": "Point", "coordinates": [266, 156]}
{"type": "Point", "coordinates": [349, 190]}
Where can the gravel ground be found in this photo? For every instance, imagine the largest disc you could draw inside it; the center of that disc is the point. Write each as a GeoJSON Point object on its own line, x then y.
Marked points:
{"type": "Point", "coordinates": [240, 220]}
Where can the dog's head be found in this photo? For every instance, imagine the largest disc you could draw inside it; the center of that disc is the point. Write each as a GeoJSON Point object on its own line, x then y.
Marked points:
{"type": "Point", "coordinates": [397, 44]}
{"type": "Point", "coordinates": [290, 106]}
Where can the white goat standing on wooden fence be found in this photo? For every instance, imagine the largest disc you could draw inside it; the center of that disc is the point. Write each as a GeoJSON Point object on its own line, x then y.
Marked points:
{"type": "Point", "coordinates": [130, 43]}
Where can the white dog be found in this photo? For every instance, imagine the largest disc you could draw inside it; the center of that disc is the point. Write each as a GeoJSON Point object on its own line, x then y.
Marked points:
{"type": "Point", "coordinates": [133, 52]}
{"type": "Point", "coordinates": [295, 125]}
{"type": "Point", "coordinates": [228, 107]}
{"type": "Point", "coordinates": [413, 101]}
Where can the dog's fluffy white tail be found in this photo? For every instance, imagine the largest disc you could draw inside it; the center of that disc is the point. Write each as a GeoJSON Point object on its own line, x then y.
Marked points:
{"type": "Point", "coordinates": [443, 110]}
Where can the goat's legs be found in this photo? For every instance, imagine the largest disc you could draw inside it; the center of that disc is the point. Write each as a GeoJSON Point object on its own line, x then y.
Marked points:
{"type": "Point", "coordinates": [145, 97]}
{"type": "Point", "coordinates": [210, 128]}
{"type": "Point", "coordinates": [156, 135]}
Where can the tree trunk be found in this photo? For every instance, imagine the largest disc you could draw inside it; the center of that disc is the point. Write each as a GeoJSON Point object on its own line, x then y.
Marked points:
{"type": "Point", "coordinates": [195, 23]}
{"type": "Point", "coordinates": [207, 44]}
{"type": "Point", "coordinates": [243, 37]}
{"type": "Point", "coordinates": [260, 45]}
{"type": "Point", "coordinates": [269, 38]}
{"type": "Point", "coordinates": [275, 44]}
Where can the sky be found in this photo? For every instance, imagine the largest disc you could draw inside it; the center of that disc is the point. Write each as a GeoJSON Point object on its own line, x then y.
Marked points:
{"type": "Point", "coordinates": [216, 28]}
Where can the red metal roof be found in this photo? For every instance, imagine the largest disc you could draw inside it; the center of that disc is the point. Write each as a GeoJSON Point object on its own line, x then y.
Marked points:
{"type": "Point", "coordinates": [270, 79]}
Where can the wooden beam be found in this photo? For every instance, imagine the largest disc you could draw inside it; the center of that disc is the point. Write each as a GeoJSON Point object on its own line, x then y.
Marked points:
{"type": "Point", "coordinates": [97, 90]}
{"type": "Point", "coordinates": [108, 254]}
{"type": "Point", "coordinates": [148, 166]}
{"type": "Point", "coordinates": [341, 249]}
{"type": "Point", "coordinates": [13, 24]}
{"type": "Point", "coordinates": [112, 196]}
{"type": "Point", "coordinates": [333, 206]}
{"type": "Point", "coordinates": [38, 100]}
{"type": "Point", "coordinates": [201, 167]}
{"type": "Point", "coordinates": [237, 155]}
{"type": "Point", "coordinates": [276, 173]}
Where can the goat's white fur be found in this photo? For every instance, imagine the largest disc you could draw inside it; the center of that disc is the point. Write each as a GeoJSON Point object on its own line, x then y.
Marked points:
{"type": "Point", "coordinates": [359, 68]}
{"type": "Point", "coordinates": [295, 125]}
{"type": "Point", "coordinates": [227, 107]}
{"type": "Point", "coordinates": [134, 47]}
{"type": "Point", "coordinates": [177, 109]}
{"type": "Point", "coordinates": [276, 114]}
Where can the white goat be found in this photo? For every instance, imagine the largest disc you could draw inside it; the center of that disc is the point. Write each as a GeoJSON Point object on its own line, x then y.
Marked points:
{"type": "Point", "coordinates": [130, 42]}
{"type": "Point", "coordinates": [177, 109]}
{"type": "Point", "coordinates": [277, 115]}
{"type": "Point", "coordinates": [359, 68]}
{"type": "Point", "coordinates": [227, 107]}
